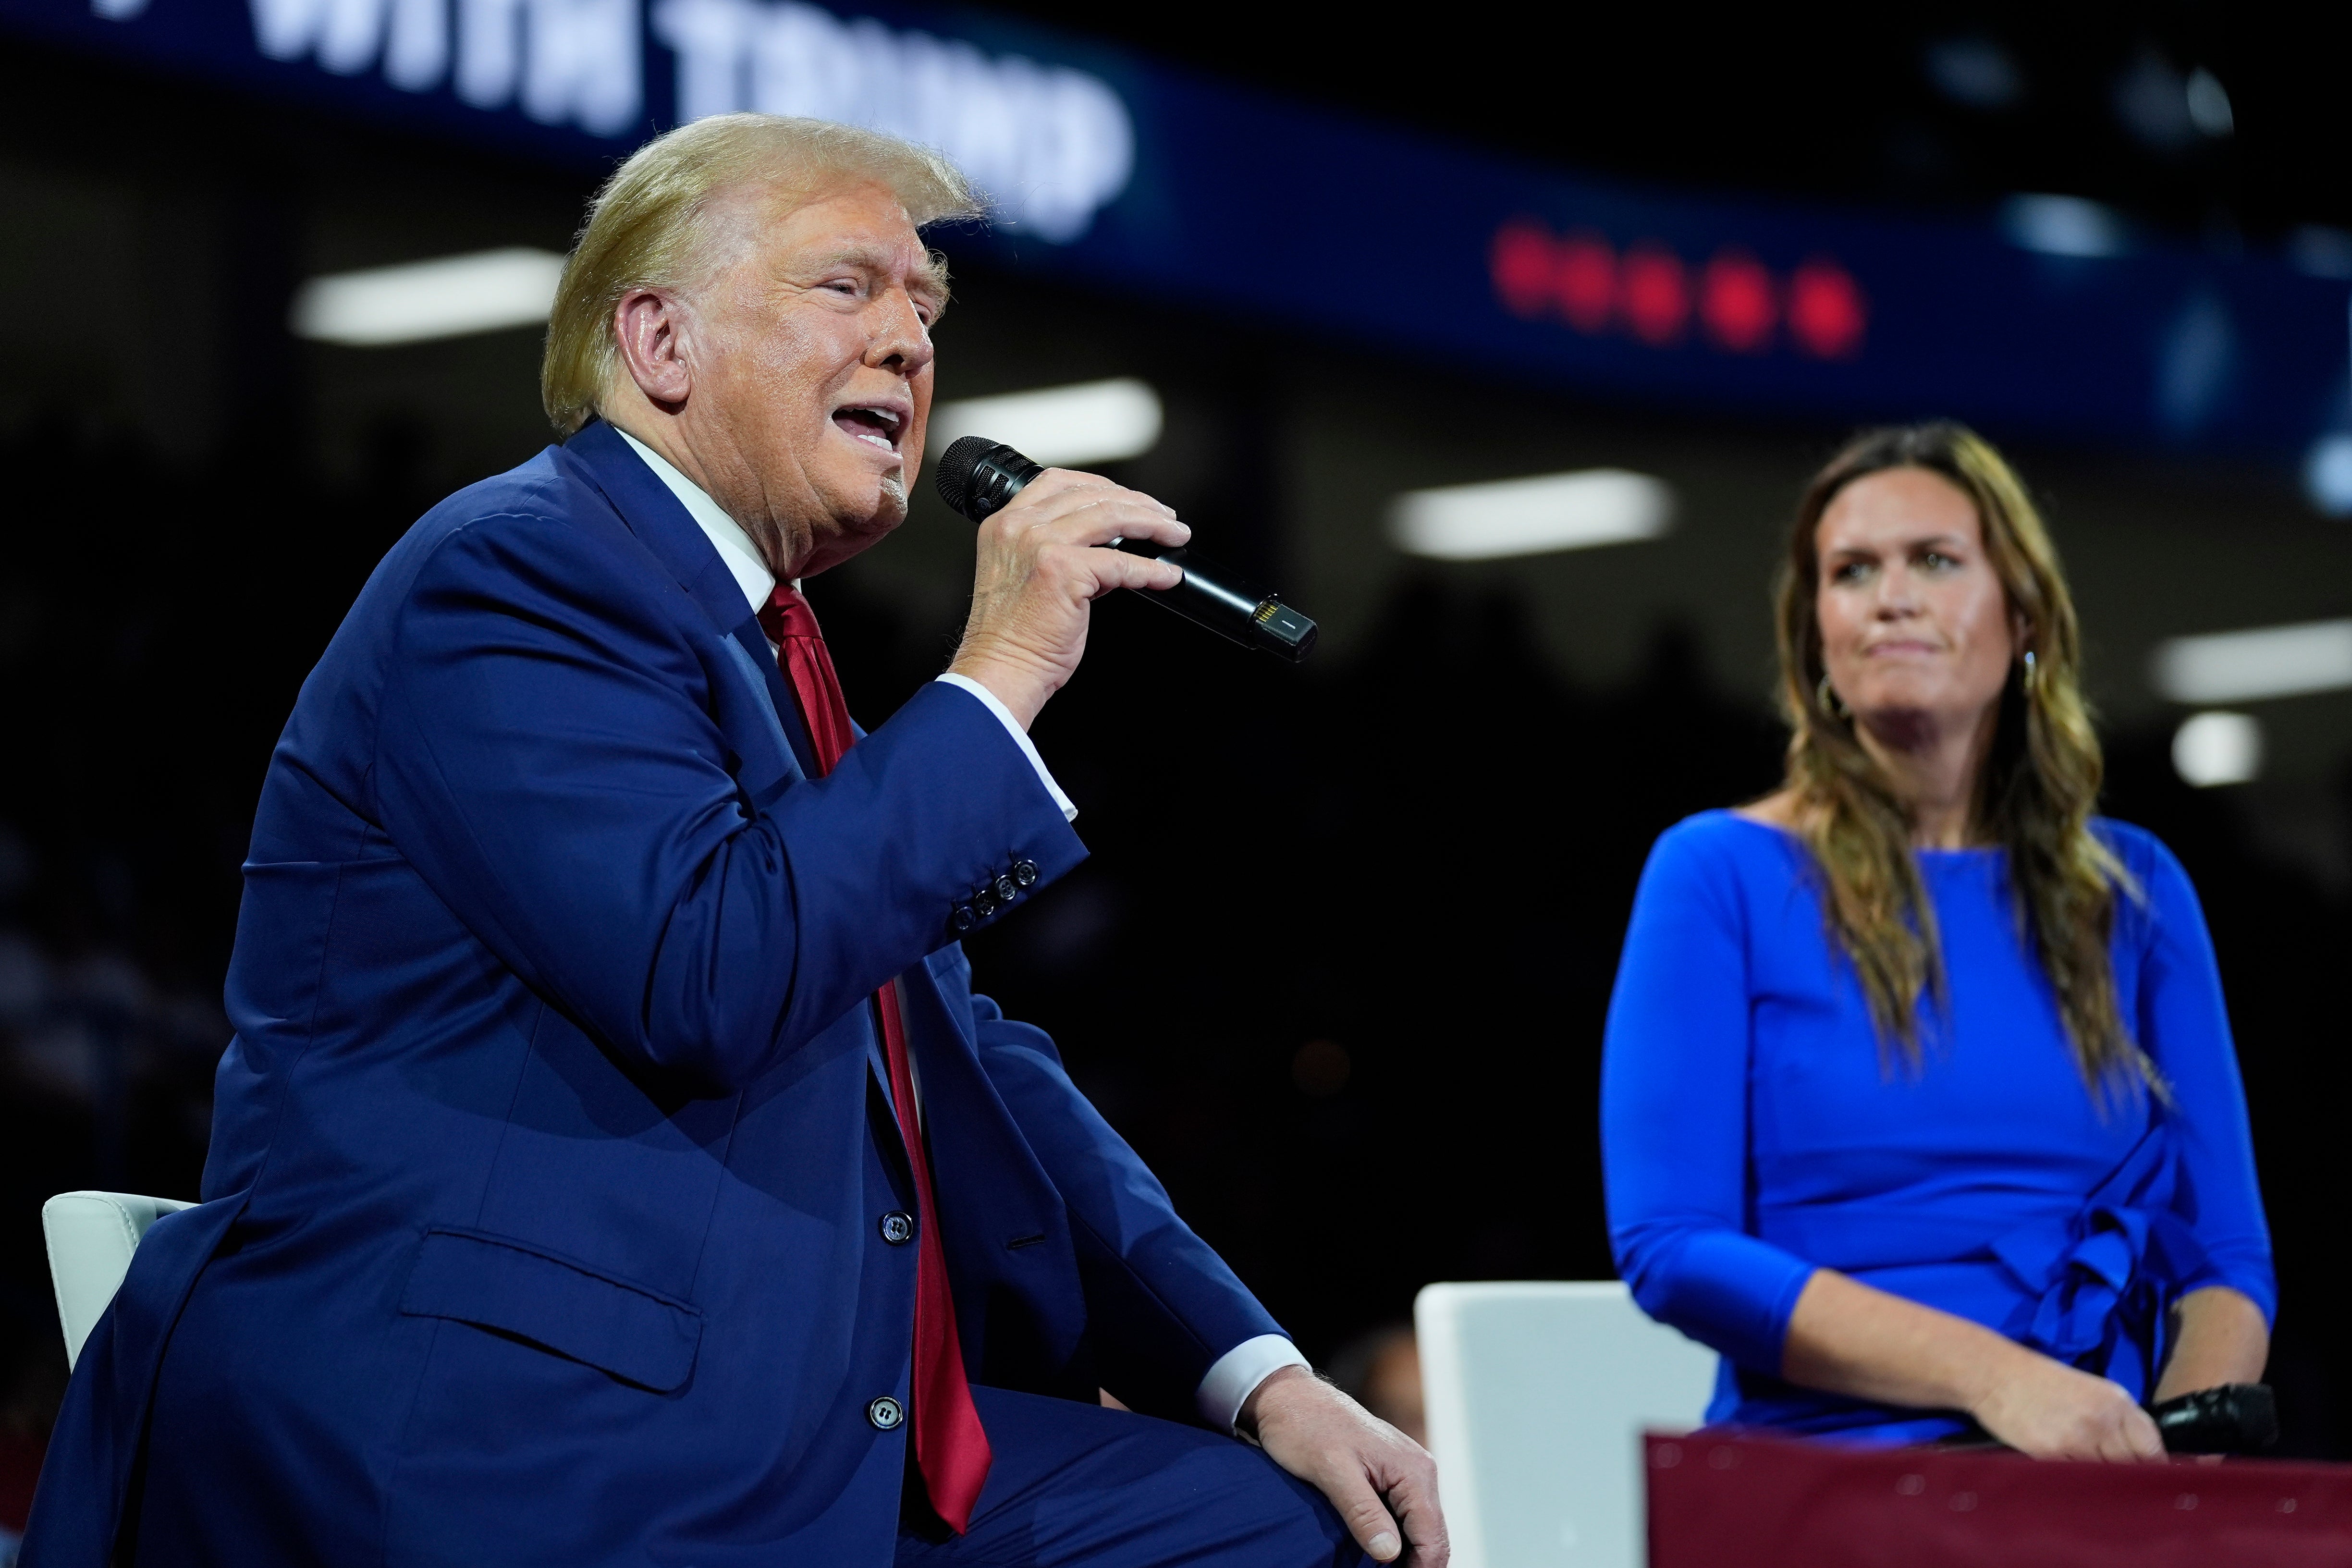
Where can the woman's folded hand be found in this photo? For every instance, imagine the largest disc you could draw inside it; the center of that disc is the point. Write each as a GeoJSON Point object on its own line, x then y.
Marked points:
{"type": "Point", "coordinates": [2048, 1410]}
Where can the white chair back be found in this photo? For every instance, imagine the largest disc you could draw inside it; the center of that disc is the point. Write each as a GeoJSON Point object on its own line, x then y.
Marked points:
{"type": "Point", "coordinates": [91, 1236]}
{"type": "Point", "coordinates": [1536, 1396]}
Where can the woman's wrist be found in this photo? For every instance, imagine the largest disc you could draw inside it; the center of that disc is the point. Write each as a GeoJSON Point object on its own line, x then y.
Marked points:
{"type": "Point", "coordinates": [1997, 1366]}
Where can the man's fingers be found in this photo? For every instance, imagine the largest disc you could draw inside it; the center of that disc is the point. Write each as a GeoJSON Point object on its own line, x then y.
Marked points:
{"type": "Point", "coordinates": [1103, 523]}
{"type": "Point", "coordinates": [1414, 1501]}
{"type": "Point", "coordinates": [1359, 1509]}
{"type": "Point", "coordinates": [1093, 513]}
{"type": "Point", "coordinates": [1116, 569]}
{"type": "Point", "coordinates": [1059, 490]}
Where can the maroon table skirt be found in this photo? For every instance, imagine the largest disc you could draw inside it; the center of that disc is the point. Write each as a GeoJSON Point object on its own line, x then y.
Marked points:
{"type": "Point", "coordinates": [1763, 1502]}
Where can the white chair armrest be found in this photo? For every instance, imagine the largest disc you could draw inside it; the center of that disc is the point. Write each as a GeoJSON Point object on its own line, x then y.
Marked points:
{"type": "Point", "coordinates": [91, 1236]}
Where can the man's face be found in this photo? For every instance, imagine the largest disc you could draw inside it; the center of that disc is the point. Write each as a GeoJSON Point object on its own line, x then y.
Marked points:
{"type": "Point", "coordinates": [819, 381]}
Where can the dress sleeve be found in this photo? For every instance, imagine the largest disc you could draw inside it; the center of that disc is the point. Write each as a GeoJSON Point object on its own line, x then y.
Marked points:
{"type": "Point", "coordinates": [1674, 1111]}
{"type": "Point", "coordinates": [2183, 1025]}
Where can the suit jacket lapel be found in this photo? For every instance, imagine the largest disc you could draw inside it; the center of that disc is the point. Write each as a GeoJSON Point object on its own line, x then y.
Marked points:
{"type": "Point", "coordinates": [655, 516]}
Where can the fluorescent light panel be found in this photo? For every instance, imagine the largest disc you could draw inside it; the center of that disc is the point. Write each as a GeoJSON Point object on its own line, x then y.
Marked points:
{"type": "Point", "coordinates": [2217, 748]}
{"type": "Point", "coordinates": [1060, 427]}
{"type": "Point", "coordinates": [2328, 474]}
{"type": "Point", "coordinates": [1532, 516]}
{"type": "Point", "coordinates": [2246, 666]}
{"type": "Point", "coordinates": [2064, 226]}
{"type": "Point", "coordinates": [453, 296]}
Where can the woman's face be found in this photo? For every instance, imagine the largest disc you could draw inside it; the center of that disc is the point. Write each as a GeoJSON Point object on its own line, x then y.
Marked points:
{"type": "Point", "coordinates": [1916, 626]}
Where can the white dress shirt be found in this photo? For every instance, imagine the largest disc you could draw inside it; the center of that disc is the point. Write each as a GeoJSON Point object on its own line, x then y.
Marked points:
{"type": "Point", "coordinates": [1237, 1374]}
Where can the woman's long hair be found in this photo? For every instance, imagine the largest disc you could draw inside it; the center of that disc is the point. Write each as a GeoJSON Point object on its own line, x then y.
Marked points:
{"type": "Point", "coordinates": [2036, 799]}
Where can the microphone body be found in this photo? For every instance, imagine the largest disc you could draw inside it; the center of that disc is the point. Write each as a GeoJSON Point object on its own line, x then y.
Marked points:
{"type": "Point", "coordinates": [977, 477]}
{"type": "Point", "coordinates": [2230, 1418]}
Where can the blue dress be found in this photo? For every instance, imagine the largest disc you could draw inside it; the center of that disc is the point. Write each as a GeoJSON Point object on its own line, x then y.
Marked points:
{"type": "Point", "coordinates": [1753, 1130]}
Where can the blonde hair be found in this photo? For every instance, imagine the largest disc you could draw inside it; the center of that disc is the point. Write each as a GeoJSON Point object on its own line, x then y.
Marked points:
{"type": "Point", "coordinates": [2041, 781]}
{"type": "Point", "coordinates": [648, 227]}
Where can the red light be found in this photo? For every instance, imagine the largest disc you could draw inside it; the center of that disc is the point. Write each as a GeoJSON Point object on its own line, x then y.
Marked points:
{"type": "Point", "coordinates": [1736, 299]}
{"type": "Point", "coordinates": [1826, 311]}
{"type": "Point", "coordinates": [1587, 278]}
{"type": "Point", "coordinates": [1522, 264]}
{"type": "Point", "coordinates": [1656, 294]}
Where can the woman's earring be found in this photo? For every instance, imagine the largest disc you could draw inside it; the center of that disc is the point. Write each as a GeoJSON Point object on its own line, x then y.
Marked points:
{"type": "Point", "coordinates": [2032, 679]}
{"type": "Point", "coordinates": [1826, 696]}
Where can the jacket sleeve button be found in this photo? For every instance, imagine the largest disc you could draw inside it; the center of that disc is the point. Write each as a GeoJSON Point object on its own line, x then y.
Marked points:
{"type": "Point", "coordinates": [1026, 872]}
{"type": "Point", "coordinates": [1006, 889]}
{"type": "Point", "coordinates": [961, 920]}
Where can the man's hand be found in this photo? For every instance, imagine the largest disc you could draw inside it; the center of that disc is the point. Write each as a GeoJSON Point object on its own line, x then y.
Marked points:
{"type": "Point", "coordinates": [1383, 1484]}
{"type": "Point", "coordinates": [1044, 559]}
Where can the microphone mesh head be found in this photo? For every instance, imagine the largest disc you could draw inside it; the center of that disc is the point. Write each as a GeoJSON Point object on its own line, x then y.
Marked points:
{"type": "Point", "coordinates": [954, 475]}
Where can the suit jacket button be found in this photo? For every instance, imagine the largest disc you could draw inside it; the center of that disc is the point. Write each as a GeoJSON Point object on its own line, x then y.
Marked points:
{"type": "Point", "coordinates": [897, 1227]}
{"type": "Point", "coordinates": [984, 902]}
{"type": "Point", "coordinates": [886, 1413]}
{"type": "Point", "coordinates": [962, 918]}
{"type": "Point", "coordinates": [1026, 872]}
{"type": "Point", "coordinates": [1006, 889]}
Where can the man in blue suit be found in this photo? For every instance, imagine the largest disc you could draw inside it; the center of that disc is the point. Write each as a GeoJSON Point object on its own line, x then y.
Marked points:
{"type": "Point", "coordinates": [614, 1163]}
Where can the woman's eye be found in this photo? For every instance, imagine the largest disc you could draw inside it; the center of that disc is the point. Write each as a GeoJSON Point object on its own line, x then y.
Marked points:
{"type": "Point", "coordinates": [1849, 572]}
{"type": "Point", "coordinates": [1937, 561]}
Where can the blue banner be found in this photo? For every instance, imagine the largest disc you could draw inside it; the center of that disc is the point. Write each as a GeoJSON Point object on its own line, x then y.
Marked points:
{"type": "Point", "coordinates": [1111, 169]}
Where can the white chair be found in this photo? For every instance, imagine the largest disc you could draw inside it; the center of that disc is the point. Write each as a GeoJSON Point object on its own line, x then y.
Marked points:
{"type": "Point", "coordinates": [91, 1236]}
{"type": "Point", "coordinates": [1537, 1394]}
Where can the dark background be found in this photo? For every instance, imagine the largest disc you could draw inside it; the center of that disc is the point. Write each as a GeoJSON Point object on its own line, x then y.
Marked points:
{"type": "Point", "coordinates": [1339, 962]}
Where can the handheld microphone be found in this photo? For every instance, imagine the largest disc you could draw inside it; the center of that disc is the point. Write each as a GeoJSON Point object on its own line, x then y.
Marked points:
{"type": "Point", "coordinates": [2229, 1418]}
{"type": "Point", "coordinates": [978, 476]}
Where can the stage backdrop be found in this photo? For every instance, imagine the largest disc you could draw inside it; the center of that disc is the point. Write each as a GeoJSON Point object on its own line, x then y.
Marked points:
{"type": "Point", "coordinates": [2048, 318]}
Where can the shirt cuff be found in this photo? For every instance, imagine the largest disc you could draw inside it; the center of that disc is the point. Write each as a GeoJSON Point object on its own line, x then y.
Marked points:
{"type": "Point", "coordinates": [1237, 1374]}
{"type": "Point", "coordinates": [1020, 738]}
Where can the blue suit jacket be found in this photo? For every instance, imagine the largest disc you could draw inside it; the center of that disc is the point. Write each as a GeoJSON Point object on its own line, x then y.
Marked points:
{"type": "Point", "coordinates": [542, 1214]}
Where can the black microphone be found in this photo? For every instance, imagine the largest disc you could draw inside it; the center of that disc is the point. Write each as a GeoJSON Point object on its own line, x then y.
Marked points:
{"type": "Point", "coordinates": [2230, 1418]}
{"type": "Point", "coordinates": [978, 476]}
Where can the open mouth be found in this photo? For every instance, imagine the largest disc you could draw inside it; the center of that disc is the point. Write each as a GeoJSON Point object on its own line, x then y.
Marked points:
{"type": "Point", "coordinates": [871, 424]}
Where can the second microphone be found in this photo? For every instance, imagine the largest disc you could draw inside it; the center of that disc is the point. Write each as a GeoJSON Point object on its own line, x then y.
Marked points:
{"type": "Point", "coordinates": [978, 476]}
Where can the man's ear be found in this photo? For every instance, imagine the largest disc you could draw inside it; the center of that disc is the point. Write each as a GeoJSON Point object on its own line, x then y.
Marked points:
{"type": "Point", "coordinates": [649, 327]}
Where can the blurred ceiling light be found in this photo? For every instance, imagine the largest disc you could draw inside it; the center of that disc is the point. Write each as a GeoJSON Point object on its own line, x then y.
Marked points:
{"type": "Point", "coordinates": [2328, 474]}
{"type": "Point", "coordinates": [1091, 422]}
{"type": "Point", "coordinates": [2246, 666]}
{"type": "Point", "coordinates": [2063, 225]}
{"type": "Point", "coordinates": [1531, 516]}
{"type": "Point", "coordinates": [2217, 748]}
{"type": "Point", "coordinates": [2209, 104]}
{"type": "Point", "coordinates": [2151, 99]}
{"type": "Point", "coordinates": [2320, 251]}
{"type": "Point", "coordinates": [1975, 71]}
{"type": "Point", "coordinates": [450, 297]}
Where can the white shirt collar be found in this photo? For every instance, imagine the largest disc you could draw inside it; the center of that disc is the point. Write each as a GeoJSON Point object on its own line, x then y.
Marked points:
{"type": "Point", "coordinates": [734, 547]}
{"type": "Point", "coordinates": [727, 535]}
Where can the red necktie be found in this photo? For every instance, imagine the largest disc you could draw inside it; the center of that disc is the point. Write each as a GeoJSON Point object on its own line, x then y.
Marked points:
{"type": "Point", "coordinates": [951, 1449]}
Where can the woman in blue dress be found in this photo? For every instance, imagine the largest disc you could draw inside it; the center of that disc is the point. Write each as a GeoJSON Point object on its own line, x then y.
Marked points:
{"type": "Point", "coordinates": [1919, 1098]}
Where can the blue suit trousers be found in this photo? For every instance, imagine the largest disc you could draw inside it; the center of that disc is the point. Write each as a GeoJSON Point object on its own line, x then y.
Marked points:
{"type": "Point", "coordinates": [1077, 1485]}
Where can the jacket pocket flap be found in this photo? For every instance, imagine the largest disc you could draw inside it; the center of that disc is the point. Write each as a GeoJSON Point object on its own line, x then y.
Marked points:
{"type": "Point", "coordinates": [505, 1285]}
